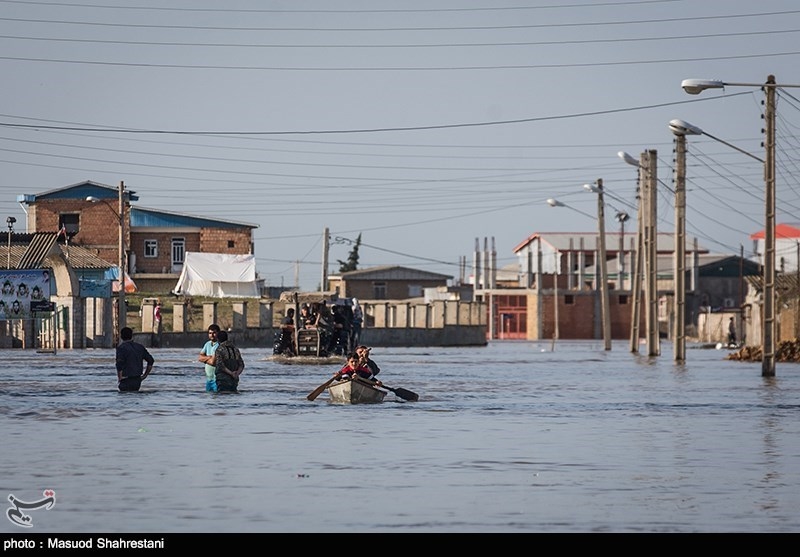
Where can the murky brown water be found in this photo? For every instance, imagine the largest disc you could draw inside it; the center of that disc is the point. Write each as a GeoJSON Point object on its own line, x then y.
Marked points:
{"type": "Point", "coordinates": [505, 438]}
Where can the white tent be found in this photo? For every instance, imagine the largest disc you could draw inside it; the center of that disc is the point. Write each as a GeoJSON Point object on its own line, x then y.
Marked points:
{"type": "Point", "coordinates": [218, 275]}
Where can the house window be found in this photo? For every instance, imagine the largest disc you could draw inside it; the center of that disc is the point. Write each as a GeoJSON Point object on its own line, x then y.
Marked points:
{"type": "Point", "coordinates": [70, 221]}
{"type": "Point", "coordinates": [378, 290]}
{"type": "Point", "coordinates": [414, 291]}
{"type": "Point", "coordinates": [151, 248]}
{"type": "Point", "coordinates": [569, 300]}
{"type": "Point", "coordinates": [230, 244]}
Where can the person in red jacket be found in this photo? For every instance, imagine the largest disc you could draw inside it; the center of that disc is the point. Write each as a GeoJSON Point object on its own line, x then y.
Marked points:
{"type": "Point", "coordinates": [355, 367]}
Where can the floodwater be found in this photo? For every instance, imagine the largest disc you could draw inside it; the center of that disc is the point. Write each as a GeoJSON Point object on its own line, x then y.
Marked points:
{"type": "Point", "coordinates": [510, 437]}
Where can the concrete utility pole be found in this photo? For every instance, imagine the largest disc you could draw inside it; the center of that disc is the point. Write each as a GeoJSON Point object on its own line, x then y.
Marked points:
{"type": "Point", "coordinates": [636, 282]}
{"type": "Point", "coordinates": [797, 292]}
{"type": "Point", "coordinates": [679, 333]}
{"type": "Point", "coordinates": [622, 217]}
{"type": "Point", "coordinates": [649, 161]}
{"type": "Point", "coordinates": [325, 248]}
{"type": "Point", "coordinates": [768, 360]}
{"type": "Point", "coordinates": [122, 318]}
{"type": "Point", "coordinates": [555, 300]}
{"type": "Point", "coordinates": [642, 220]}
{"type": "Point", "coordinates": [605, 306]}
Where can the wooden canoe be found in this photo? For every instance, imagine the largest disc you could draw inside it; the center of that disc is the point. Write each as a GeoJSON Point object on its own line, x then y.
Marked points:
{"type": "Point", "coordinates": [355, 392]}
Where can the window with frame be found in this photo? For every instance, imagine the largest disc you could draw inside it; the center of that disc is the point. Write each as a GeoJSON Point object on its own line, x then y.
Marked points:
{"type": "Point", "coordinates": [151, 248]}
{"type": "Point", "coordinates": [69, 221]}
{"type": "Point", "coordinates": [379, 290]}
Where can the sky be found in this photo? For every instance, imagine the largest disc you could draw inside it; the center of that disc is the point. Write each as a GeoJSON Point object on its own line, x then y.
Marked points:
{"type": "Point", "coordinates": [424, 126]}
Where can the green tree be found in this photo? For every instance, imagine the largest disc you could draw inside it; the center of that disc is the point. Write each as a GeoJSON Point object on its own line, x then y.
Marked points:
{"type": "Point", "coordinates": [352, 258]}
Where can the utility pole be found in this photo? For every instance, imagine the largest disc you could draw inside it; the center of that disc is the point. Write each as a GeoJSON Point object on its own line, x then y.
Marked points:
{"type": "Point", "coordinates": [768, 359]}
{"type": "Point", "coordinates": [605, 306]}
{"type": "Point", "coordinates": [622, 217]}
{"type": "Point", "coordinates": [325, 247]}
{"type": "Point", "coordinates": [797, 292]}
{"type": "Point", "coordinates": [122, 317]}
{"type": "Point", "coordinates": [555, 300]}
{"type": "Point", "coordinates": [679, 333]}
{"type": "Point", "coordinates": [649, 161]}
{"type": "Point", "coordinates": [636, 283]}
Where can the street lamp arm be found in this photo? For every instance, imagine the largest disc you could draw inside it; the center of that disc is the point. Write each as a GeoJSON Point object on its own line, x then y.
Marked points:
{"type": "Point", "coordinates": [752, 156]}
{"type": "Point", "coordinates": [93, 199]}
{"type": "Point", "coordinates": [682, 127]}
{"type": "Point", "coordinates": [697, 86]}
{"type": "Point", "coordinates": [556, 203]}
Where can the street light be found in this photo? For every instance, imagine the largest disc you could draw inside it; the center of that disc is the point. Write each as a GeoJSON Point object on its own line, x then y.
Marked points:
{"type": "Point", "coordinates": [768, 330]}
{"type": "Point", "coordinates": [10, 221]}
{"type": "Point", "coordinates": [120, 214]}
{"type": "Point", "coordinates": [680, 129]}
{"type": "Point", "coordinates": [605, 309]}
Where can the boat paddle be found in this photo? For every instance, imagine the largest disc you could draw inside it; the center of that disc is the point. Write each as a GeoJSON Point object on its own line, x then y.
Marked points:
{"type": "Point", "coordinates": [318, 391]}
{"type": "Point", "coordinates": [405, 394]}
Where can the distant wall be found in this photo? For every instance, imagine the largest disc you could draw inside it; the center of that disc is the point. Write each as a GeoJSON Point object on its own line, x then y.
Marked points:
{"type": "Point", "coordinates": [439, 323]}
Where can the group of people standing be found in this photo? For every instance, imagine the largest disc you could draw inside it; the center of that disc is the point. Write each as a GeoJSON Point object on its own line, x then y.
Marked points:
{"type": "Point", "coordinates": [222, 361]}
{"type": "Point", "coordinates": [338, 325]}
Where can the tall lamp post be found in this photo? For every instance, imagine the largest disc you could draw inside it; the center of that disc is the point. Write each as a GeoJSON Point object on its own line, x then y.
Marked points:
{"type": "Point", "coordinates": [680, 129]}
{"type": "Point", "coordinates": [10, 221]}
{"type": "Point", "coordinates": [120, 214]}
{"type": "Point", "coordinates": [768, 330]}
{"type": "Point", "coordinates": [605, 306]}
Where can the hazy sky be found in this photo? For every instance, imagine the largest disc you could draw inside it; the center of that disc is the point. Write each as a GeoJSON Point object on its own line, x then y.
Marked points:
{"type": "Point", "coordinates": [421, 125]}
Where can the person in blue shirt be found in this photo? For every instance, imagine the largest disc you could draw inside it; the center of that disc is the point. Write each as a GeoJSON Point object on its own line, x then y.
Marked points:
{"type": "Point", "coordinates": [207, 357]}
{"type": "Point", "coordinates": [130, 362]}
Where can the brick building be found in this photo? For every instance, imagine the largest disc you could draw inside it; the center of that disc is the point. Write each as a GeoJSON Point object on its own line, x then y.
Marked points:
{"type": "Point", "coordinates": [155, 241]}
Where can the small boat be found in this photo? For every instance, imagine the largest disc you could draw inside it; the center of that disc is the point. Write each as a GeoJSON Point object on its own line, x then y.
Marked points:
{"type": "Point", "coordinates": [355, 392]}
